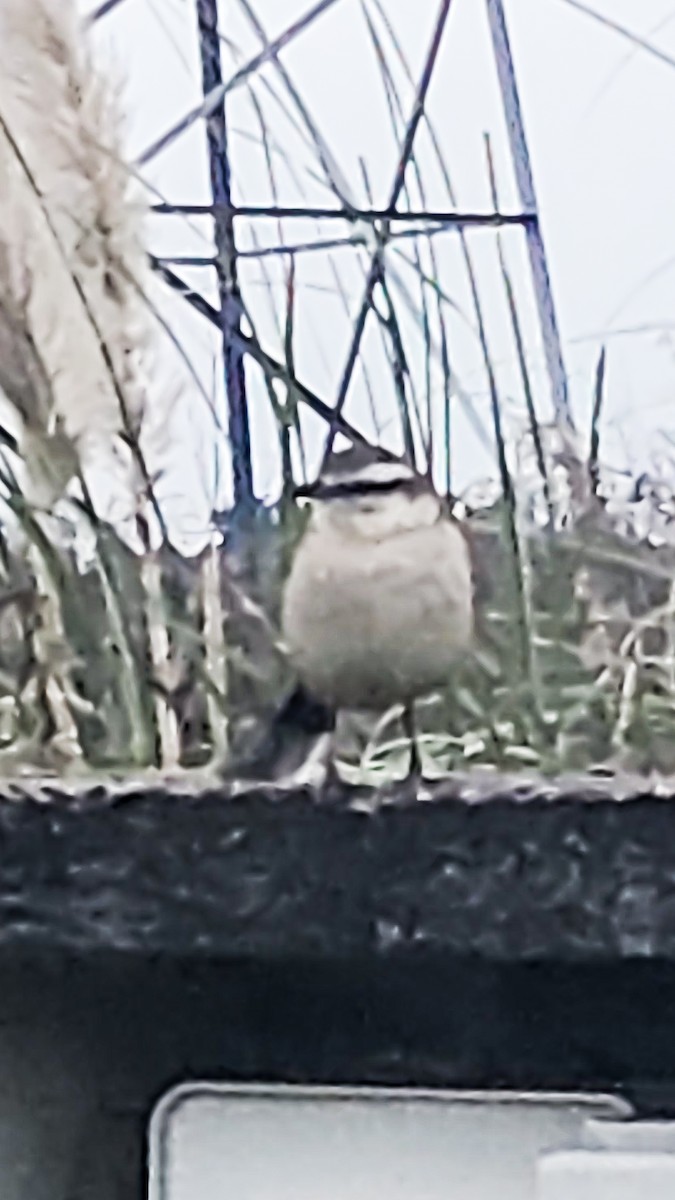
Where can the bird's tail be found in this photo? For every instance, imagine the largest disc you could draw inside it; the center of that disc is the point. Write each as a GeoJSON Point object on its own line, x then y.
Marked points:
{"type": "Point", "coordinates": [294, 746]}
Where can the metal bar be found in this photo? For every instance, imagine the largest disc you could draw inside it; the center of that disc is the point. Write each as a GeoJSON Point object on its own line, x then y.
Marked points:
{"type": "Point", "coordinates": [283, 249]}
{"type": "Point", "coordinates": [248, 345]}
{"type": "Point", "coordinates": [535, 242]}
{"type": "Point", "coordinates": [226, 265]}
{"type": "Point", "coordinates": [277, 212]}
{"type": "Point", "coordinates": [215, 97]}
{"type": "Point", "coordinates": [101, 10]}
{"type": "Point", "coordinates": [188, 260]}
{"type": "Point", "coordinates": [375, 268]}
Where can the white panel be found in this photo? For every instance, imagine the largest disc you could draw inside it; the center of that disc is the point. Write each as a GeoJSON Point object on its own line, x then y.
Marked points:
{"type": "Point", "coordinates": [630, 1135]}
{"type": "Point", "coordinates": [606, 1175]}
{"type": "Point", "coordinates": [217, 1143]}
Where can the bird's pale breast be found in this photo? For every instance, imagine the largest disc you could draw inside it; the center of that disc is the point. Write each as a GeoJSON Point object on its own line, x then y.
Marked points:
{"type": "Point", "coordinates": [369, 623]}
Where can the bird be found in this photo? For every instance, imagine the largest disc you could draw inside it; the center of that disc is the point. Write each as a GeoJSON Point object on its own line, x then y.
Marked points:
{"type": "Point", "coordinates": [376, 609]}
{"type": "Point", "coordinates": [378, 603]}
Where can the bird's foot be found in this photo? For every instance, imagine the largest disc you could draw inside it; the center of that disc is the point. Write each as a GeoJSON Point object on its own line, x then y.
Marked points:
{"type": "Point", "coordinates": [330, 790]}
{"type": "Point", "coordinates": [409, 788]}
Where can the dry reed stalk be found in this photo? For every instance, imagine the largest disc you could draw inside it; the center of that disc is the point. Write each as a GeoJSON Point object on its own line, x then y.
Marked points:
{"type": "Point", "coordinates": [72, 263]}
{"type": "Point", "coordinates": [215, 649]}
{"type": "Point", "coordinates": [162, 665]}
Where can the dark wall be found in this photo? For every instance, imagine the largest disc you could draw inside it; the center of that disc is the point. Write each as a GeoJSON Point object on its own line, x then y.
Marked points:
{"type": "Point", "coordinates": [87, 1046]}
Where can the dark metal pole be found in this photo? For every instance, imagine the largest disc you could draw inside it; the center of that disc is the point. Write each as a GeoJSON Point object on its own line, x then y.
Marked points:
{"type": "Point", "coordinates": [535, 242]}
{"type": "Point", "coordinates": [226, 264]}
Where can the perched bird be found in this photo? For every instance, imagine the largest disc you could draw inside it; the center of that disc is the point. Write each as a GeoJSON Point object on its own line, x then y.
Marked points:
{"type": "Point", "coordinates": [379, 600]}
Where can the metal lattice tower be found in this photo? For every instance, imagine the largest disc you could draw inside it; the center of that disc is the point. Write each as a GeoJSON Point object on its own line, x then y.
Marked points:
{"type": "Point", "coordinates": [235, 343]}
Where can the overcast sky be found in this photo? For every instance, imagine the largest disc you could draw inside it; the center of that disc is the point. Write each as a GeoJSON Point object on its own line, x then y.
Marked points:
{"type": "Point", "coordinates": [598, 116]}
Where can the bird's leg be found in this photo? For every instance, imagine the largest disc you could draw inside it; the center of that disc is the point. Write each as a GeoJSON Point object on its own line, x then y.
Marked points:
{"type": "Point", "coordinates": [415, 768]}
{"type": "Point", "coordinates": [327, 784]}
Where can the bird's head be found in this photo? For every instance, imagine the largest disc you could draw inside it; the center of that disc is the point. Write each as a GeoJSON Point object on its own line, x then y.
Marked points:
{"type": "Point", "coordinates": [369, 491]}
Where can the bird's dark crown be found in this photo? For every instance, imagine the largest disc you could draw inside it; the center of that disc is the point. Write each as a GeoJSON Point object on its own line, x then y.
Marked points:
{"type": "Point", "coordinates": [363, 470]}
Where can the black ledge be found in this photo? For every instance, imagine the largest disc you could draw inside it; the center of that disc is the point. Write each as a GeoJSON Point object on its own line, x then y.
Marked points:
{"type": "Point", "coordinates": [577, 871]}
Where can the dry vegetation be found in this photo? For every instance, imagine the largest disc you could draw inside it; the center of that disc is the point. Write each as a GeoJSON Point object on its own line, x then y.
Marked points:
{"type": "Point", "coordinates": [116, 656]}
